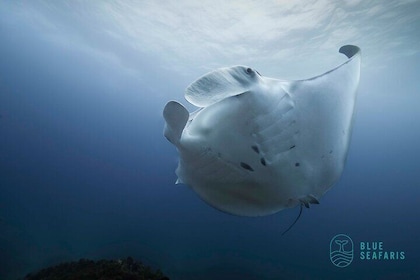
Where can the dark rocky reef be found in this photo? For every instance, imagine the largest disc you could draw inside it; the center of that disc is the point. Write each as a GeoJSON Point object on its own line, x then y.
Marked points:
{"type": "Point", "coordinates": [125, 269]}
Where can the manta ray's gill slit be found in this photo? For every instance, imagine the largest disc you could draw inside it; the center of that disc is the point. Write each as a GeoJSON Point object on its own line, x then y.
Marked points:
{"type": "Point", "coordinates": [297, 164]}
{"type": "Point", "coordinates": [206, 166]}
{"type": "Point", "coordinates": [280, 141]}
{"type": "Point", "coordinates": [246, 166]}
{"type": "Point", "coordinates": [263, 162]}
{"type": "Point", "coordinates": [273, 121]}
{"type": "Point", "coordinates": [273, 113]}
{"type": "Point", "coordinates": [274, 107]}
{"type": "Point", "coordinates": [278, 127]}
{"type": "Point", "coordinates": [292, 147]}
{"type": "Point", "coordinates": [206, 162]}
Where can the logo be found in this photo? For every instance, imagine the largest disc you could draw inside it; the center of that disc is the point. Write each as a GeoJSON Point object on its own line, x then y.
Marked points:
{"type": "Point", "coordinates": [341, 250]}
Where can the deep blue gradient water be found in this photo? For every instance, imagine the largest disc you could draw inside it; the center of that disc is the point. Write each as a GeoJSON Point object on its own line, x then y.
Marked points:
{"type": "Point", "coordinates": [85, 171]}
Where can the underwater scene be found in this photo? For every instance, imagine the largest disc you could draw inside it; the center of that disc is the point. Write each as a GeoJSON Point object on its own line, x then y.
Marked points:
{"type": "Point", "coordinates": [256, 140]}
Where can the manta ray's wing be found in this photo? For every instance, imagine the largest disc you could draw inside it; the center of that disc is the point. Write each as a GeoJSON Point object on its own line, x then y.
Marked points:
{"type": "Point", "coordinates": [324, 106]}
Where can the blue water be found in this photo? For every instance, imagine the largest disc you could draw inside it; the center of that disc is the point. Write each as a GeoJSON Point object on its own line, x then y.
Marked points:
{"type": "Point", "coordinates": [85, 171]}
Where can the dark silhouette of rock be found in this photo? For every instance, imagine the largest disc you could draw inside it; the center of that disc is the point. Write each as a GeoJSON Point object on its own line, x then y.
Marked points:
{"type": "Point", "coordinates": [125, 269]}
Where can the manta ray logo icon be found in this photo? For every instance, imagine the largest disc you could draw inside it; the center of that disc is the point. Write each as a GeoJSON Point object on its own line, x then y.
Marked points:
{"type": "Point", "coordinates": [341, 250]}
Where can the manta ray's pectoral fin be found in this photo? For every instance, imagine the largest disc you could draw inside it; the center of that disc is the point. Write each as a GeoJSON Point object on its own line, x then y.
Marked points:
{"type": "Point", "coordinates": [176, 117]}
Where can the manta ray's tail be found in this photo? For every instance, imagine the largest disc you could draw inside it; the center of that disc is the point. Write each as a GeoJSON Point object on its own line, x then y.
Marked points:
{"type": "Point", "coordinates": [290, 227]}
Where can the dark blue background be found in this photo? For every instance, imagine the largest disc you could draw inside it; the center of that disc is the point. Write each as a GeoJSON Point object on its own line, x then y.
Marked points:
{"type": "Point", "coordinates": [85, 172]}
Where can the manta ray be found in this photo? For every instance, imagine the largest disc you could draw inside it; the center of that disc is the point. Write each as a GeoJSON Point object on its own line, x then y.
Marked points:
{"type": "Point", "coordinates": [258, 145]}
